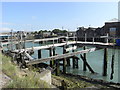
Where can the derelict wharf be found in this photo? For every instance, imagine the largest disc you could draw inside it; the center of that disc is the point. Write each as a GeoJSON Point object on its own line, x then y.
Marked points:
{"type": "Point", "coordinates": [65, 57]}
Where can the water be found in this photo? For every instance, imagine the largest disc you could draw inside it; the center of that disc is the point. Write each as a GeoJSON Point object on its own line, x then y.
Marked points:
{"type": "Point", "coordinates": [95, 60]}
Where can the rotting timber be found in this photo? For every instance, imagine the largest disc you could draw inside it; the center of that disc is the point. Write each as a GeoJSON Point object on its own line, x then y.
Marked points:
{"type": "Point", "coordinates": [24, 59]}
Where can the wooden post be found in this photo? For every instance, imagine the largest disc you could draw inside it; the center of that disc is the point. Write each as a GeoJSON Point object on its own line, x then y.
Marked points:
{"type": "Point", "coordinates": [64, 60]}
{"type": "Point", "coordinates": [68, 62]}
{"type": "Point", "coordinates": [105, 63]}
{"type": "Point", "coordinates": [76, 63]}
{"type": "Point", "coordinates": [73, 57]}
{"type": "Point", "coordinates": [68, 59]}
{"type": "Point", "coordinates": [64, 65]}
{"type": "Point", "coordinates": [84, 64]}
{"type": "Point", "coordinates": [87, 64]}
{"type": "Point", "coordinates": [57, 67]}
{"type": "Point", "coordinates": [53, 51]}
{"type": "Point", "coordinates": [85, 37]}
{"type": "Point", "coordinates": [39, 54]}
{"type": "Point", "coordinates": [50, 54]}
{"type": "Point", "coordinates": [54, 55]}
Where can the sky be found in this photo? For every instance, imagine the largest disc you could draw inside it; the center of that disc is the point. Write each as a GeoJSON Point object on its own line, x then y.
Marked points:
{"type": "Point", "coordinates": [31, 16]}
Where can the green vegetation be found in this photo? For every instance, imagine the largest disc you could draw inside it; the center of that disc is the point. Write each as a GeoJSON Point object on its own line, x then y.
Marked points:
{"type": "Point", "coordinates": [18, 79]}
{"type": "Point", "coordinates": [56, 31]}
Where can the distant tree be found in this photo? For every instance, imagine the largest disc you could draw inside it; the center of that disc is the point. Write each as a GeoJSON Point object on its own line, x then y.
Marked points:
{"type": "Point", "coordinates": [59, 31]}
{"type": "Point", "coordinates": [56, 31]}
{"type": "Point", "coordinates": [35, 32]}
{"type": "Point", "coordinates": [40, 32]}
{"type": "Point", "coordinates": [44, 30]}
{"type": "Point", "coordinates": [64, 31]}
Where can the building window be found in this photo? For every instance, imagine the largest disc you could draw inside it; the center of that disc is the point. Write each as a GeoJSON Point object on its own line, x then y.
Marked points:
{"type": "Point", "coordinates": [112, 31]}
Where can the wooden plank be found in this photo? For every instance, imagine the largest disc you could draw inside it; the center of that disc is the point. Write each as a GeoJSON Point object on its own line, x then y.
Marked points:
{"type": "Point", "coordinates": [71, 48]}
{"type": "Point", "coordinates": [36, 61]}
{"type": "Point", "coordinates": [46, 46]}
{"type": "Point", "coordinates": [31, 58]}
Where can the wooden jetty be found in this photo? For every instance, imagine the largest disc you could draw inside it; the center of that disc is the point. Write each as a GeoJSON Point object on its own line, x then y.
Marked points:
{"type": "Point", "coordinates": [47, 46]}
{"type": "Point", "coordinates": [35, 40]}
{"type": "Point", "coordinates": [36, 61]}
{"type": "Point", "coordinates": [96, 44]}
{"type": "Point", "coordinates": [65, 57]}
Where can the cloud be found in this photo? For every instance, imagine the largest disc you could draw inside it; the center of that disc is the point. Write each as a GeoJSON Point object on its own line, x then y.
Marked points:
{"type": "Point", "coordinates": [5, 23]}
{"type": "Point", "coordinates": [5, 29]}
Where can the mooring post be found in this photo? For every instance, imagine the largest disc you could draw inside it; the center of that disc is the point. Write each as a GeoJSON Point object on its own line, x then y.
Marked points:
{"type": "Point", "coordinates": [39, 54]}
{"type": "Point", "coordinates": [105, 63]}
{"type": "Point", "coordinates": [84, 64]}
{"type": "Point", "coordinates": [57, 67]}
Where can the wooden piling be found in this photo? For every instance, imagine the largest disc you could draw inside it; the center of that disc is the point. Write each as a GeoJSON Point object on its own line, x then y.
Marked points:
{"type": "Point", "coordinates": [54, 55]}
{"type": "Point", "coordinates": [53, 51]}
{"type": "Point", "coordinates": [39, 54]}
{"type": "Point", "coordinates": [50, 54]}
{"type": "Point", "coordinates": [68, 59]}
{"type": "Point", "coordinates": [64, 65]}
{"type": "Point", "coordinates": [84, 64]}
{"type": "Point", "coordinates": [76, 63]}
{"type": "Point", "coordinates": [105, 63]}
{"type": "Point", "coordinates": [68, 62]}
{"type": "Point", "coordinates": [73, 57]}
{"type": "Point", "coordinates": [57, 67]}
{"type": "Point", "coordinates": [64, 60]}
{"type": "Point", "coordinates": [87, 64]}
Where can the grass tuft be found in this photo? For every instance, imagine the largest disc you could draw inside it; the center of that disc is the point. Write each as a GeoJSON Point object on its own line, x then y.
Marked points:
{"type": "Point", "coordinates": [19, 81]}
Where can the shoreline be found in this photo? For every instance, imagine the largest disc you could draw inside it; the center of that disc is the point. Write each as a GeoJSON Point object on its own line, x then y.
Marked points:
{"type": "Point", "coordinates": [94, 81]}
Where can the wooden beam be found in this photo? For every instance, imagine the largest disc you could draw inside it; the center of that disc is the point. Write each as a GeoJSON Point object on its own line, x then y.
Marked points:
{"type": "Point", "coordinates": [87, 64]}
{"type": "Point", "coordinates": [71, 48]}
{"type": "Point", "coordinates": [36, 61]}
{"type": "Point", "coordinates": [27, 55]}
